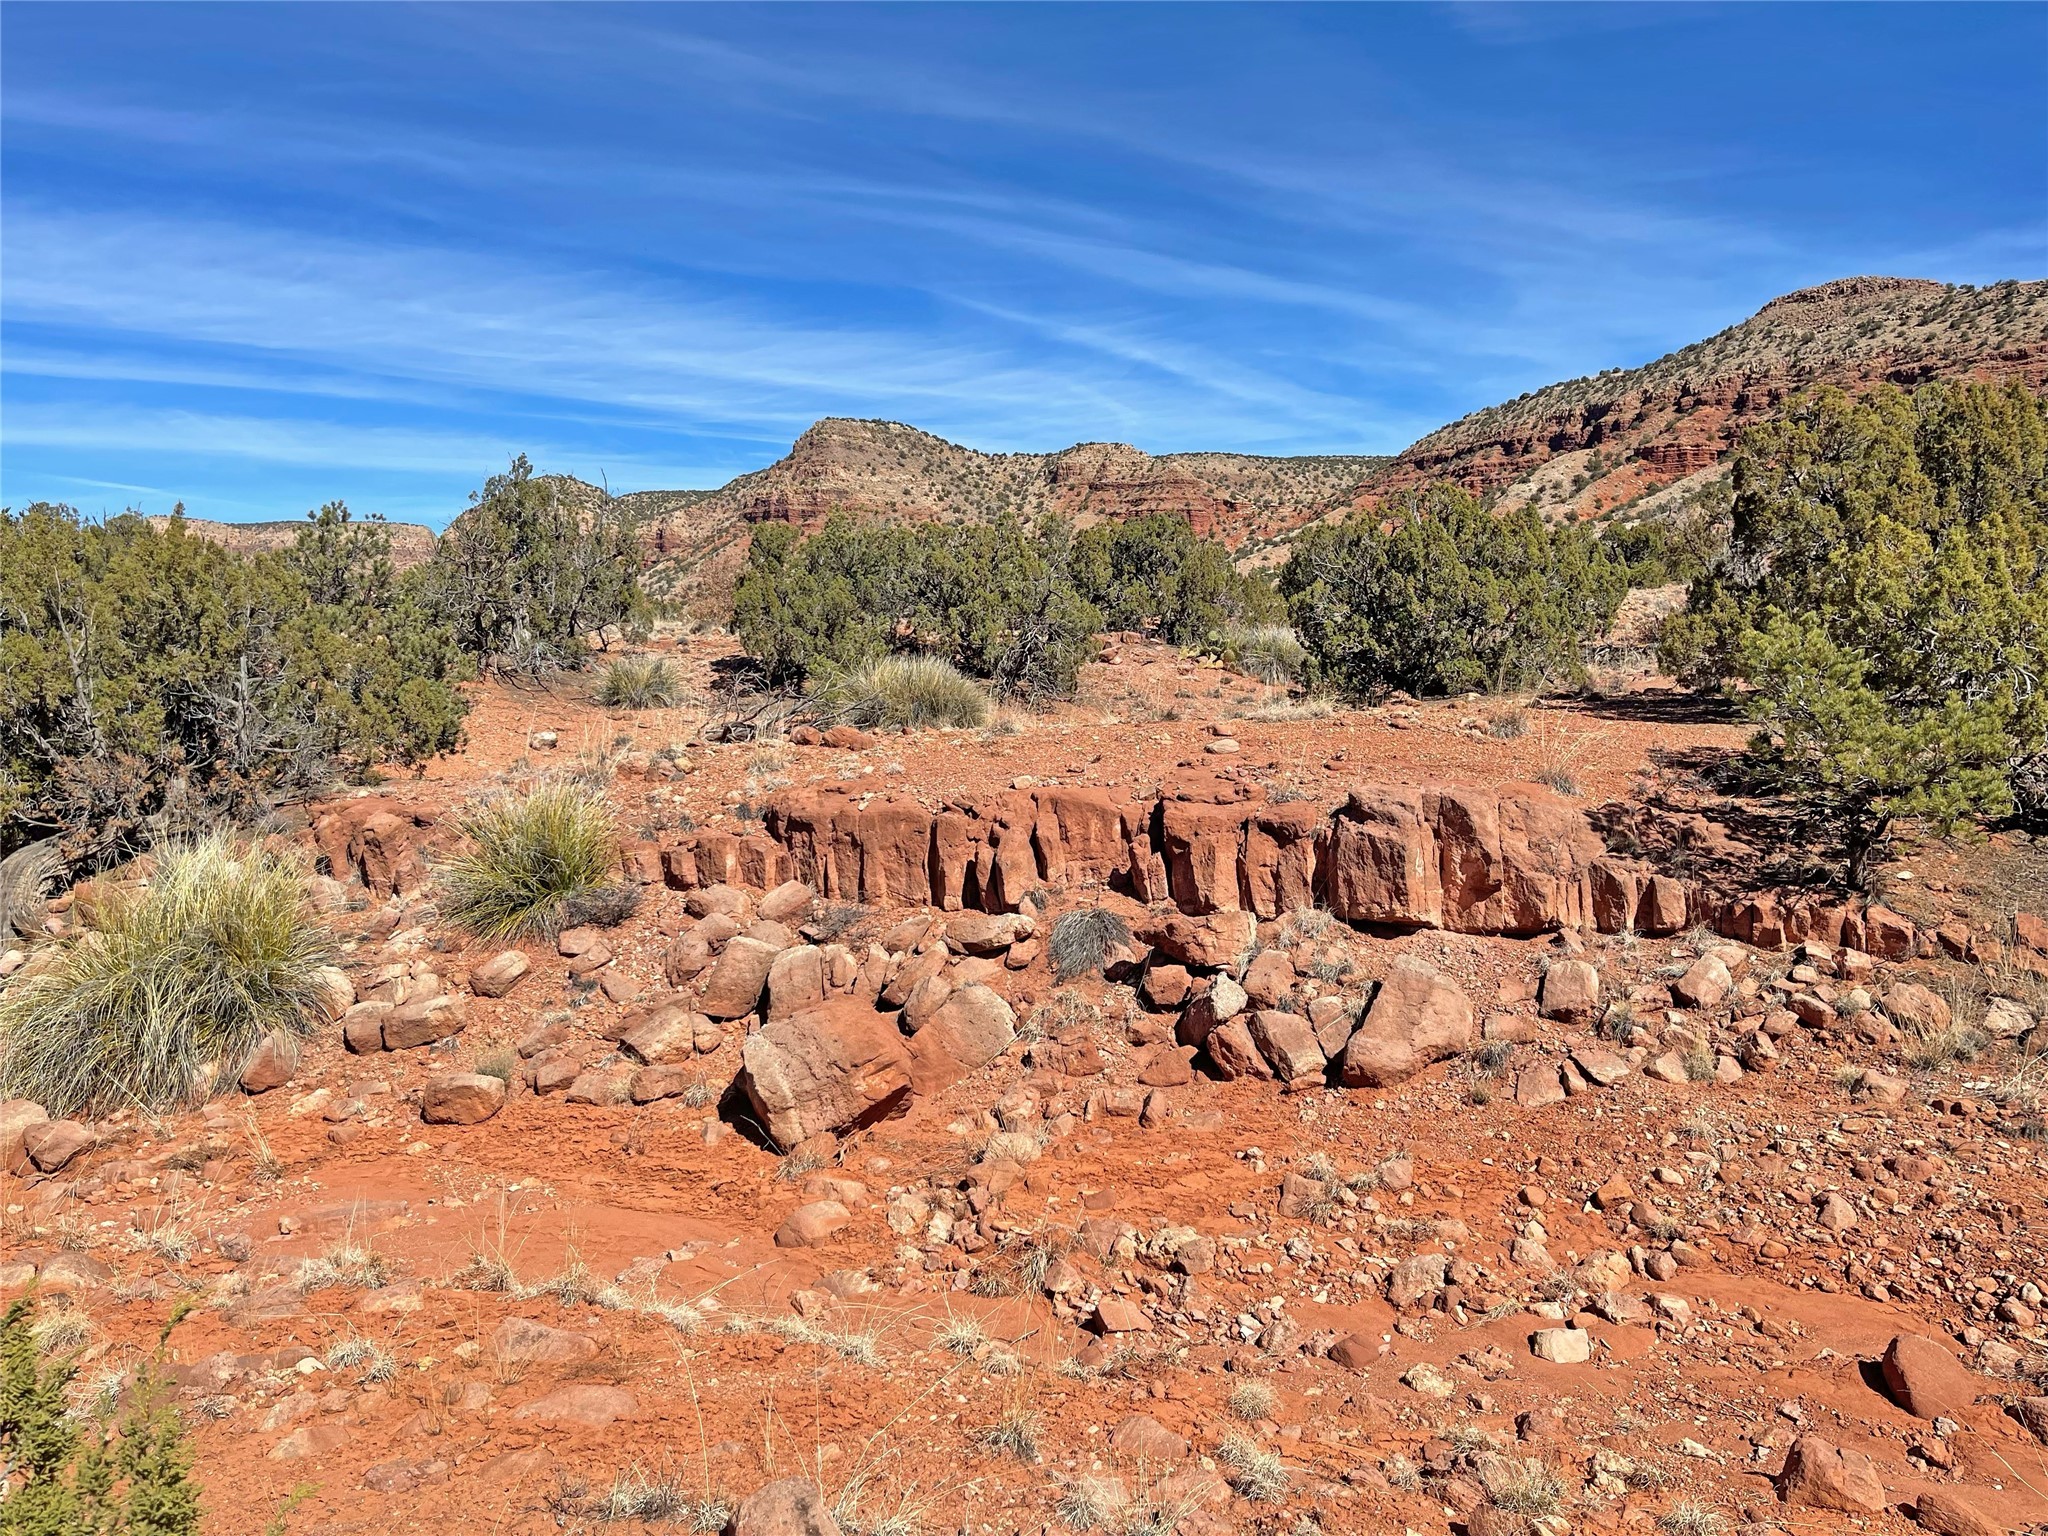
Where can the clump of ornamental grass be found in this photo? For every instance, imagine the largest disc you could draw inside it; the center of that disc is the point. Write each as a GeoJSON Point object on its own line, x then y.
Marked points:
{"type": "Point", "coordinates": [168, 988]}
{"type": "Point", "coordinates": [911, 692]}
{"type": "Point", "coordinates": [1272, 653]}
{"type": "Point", "coordinates": [533, 863]}
{"type": "Point", "coordinates": [1081, 941]}
{"type": "Point", "coordinates": [639, 682]}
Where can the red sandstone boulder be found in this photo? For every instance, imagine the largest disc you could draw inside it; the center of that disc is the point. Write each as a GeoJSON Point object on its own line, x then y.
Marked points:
{"type": "Point", "coordinates": [1288, 1043]}
{"type": "Point", "coordinates": [734, 987]}
{"type": "Point", "coordinates": [1570, 990]}
{"type": "Point", "coordinates": [791, 1507]}
{"type": "Point", "coordinates": [796, 981]}
{"type": "Point", "coordinates": [1818, 1475]}
{"type": "Point", "coordinates": [1216, 942]}
{"type": "Point", "coordinates": [521, 1341]}
{"type": "Point", "coordinates": [382, 851]}
{"type": "Point", "coordinates": [273, 1064]}
{"type": "Point", "coordinates": [970, 1029]}
{"type": "Point", "coordinates": [499, 974]}
{"type": "Point", "coordinates": [1418, 1016]}
{"type": "Point", "coordinates": [668, 1034]}
{"type": "Point", "coordinates": [1926, 1380]}
{"type": "Point", "coordinates": [1914, 1007]}
{"type": "Point", "coordinates": [829, 1068]}
{"type": "Point", "coordinates": [50, 1145]}
{"type": "Point", "coordinates": [1948, 1514]}
{"type": "Point", "coordinates": [461, 1098]}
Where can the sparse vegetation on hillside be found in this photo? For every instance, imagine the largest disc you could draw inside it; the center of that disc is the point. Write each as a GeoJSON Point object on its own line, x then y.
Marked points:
{"type": "Point", "coordinates": [1273, 653]}
{"type": "Point", "coordinates": [152, 682]}
{"type": "Point", "coordinates": [530, 862]}
{"type": "Point", "coordinates": [1018, 605]}
{"type": "Point", "coordinates": [166, 984]}
{"type": "Point", "coordinates": [1883, 604]}
{"type": "Point", "coordinates": [995, 601]}
{"type": "Point", "coordinates": [1445, 597]}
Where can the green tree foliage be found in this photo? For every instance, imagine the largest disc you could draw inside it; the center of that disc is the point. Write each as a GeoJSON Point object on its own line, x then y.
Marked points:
{"type": "Point", "coordinates": [527, 572]}
{"type": "Point", "coordinates": [1154, 570]}
{"type": "Point", "coordinates": [997, 600]}
{"type": "Point", "coordinates": [1882, 605]}
{"type": "Point", "coordinates": [152, 681]}
{"type": "Point", "coordinates": [1441, 597]}
{"type": "Point", "coordinates": [1676, 544]}
{"type": "Point", "coordinates": [87, 1476]}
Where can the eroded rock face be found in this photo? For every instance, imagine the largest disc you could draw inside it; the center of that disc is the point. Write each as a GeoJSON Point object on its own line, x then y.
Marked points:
{"type": "Point", "coordinates": [829, 1068]}
{"type": "Point", "coordinates": [1472, 860]}
{"type": "Point", "coordinates": [1419, 1016]}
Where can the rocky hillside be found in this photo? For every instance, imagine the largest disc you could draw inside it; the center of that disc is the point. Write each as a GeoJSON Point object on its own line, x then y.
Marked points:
{"type": "Point", "coordinates": [1623, 440]}
{"type": "Point", "coordinates": [1582, 448]}
{"type": "Point", "coordinates": [410, 543]}
{"type": "Point", "coordinates": [1591, 445]}
{"type": "Point", "coordinates": [696, 538]}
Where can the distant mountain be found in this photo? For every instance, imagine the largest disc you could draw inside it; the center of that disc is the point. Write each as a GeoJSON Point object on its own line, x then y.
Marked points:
{"type": "Point", "coordinates": [1591, 445]}
{"type": "Point", "coordinates": [1584, 448]}
{"type": "Point", "coordinates": [696, 539]}
{"type": "Point", "coordinates": [1622, 441]}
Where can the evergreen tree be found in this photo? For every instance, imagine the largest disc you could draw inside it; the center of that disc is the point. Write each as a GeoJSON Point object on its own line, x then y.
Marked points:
{"type": "Point", "coordinates": [1440, 596]}
{"type": "Point", "coordinates": [527, 573]}
{"type": "Point", "coordinates": [1881, 609]}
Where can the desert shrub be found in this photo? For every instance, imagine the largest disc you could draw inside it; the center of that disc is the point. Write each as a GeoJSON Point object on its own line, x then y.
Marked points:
{"type": "Point", "coordinates": [1530, 1488]}
{"type": "Point", "coordinates": [219, 949]}
{"type": "Point", "coordinates": [1272, 653]}
{"type": "Point", "coordinates": [1444, 597]}
{"type": "Point", "coordinates": [996, 600]}
{"type": "Point", "coordinates": [1676, 545]}
{"type": "Point", "coordinates": [639, 682]}
{"type": "Point", "coordinates": [152, 682]}
{"type": "Point", "coordinates": [903, 690]}
{"type": "Point", "coordinates": [532, 568]}
{"type": "Point", "coordinates": [1081, 941]}
{"type": "Point", "coordinates": [529, 860]}
{"type": "Point", "coordinates": [1881, 609]}
{"type": "Point", "coordinates": [1253, 1400]}
{"type": "Point", "coordinates": [71, 1474]}
{"type": "Point", "coordinates": [1154, 571]}
{"type": "Point", "coordinates": [1256, 1473]}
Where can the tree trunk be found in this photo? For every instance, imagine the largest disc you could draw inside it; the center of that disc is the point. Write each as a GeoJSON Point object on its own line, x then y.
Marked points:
{"type": "Point", "coordinates": [1867, 841]}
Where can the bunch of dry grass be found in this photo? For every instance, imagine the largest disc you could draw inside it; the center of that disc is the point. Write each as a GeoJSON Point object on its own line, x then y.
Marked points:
{"type": "Point", "coordinates": [910, 692]}
{"type": "Point", "coordinates": [639, 682]}
{"type": "Point", "coordinates": [535, 863]}
{"type": "Point", "coordinates": [167, 983]}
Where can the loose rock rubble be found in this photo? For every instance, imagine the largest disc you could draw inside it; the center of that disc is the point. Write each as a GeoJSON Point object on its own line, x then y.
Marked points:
{"type": "Point", "coordinates": [1422, 1161]}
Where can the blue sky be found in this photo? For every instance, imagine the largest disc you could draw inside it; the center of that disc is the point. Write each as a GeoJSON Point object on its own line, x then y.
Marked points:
{"type": "Point", "coordinates": [261, 256]}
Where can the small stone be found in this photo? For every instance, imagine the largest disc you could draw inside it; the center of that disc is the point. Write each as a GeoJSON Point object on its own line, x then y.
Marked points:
{"type": "Point", "coordinates": [1562, 1346]}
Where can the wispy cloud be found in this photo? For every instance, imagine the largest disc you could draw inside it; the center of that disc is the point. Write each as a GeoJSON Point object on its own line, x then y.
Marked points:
{"type": "Point", "coordinates": [1279, 229]}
